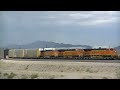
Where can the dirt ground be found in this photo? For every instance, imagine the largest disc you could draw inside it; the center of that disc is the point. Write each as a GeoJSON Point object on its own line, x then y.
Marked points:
{"type": "Point", "coordinates": [10, 69]}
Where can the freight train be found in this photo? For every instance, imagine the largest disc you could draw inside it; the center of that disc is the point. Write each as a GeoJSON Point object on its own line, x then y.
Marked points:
{"type": "Point", "coordinates": [54, 53]}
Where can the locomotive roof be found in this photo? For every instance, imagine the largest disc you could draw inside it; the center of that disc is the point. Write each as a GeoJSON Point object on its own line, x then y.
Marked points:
{"type": "Point", "coordinates": [99, 49]}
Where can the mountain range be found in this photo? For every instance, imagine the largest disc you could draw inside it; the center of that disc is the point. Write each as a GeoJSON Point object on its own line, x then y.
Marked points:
{"type": "Point", "coordinates": [118, 48]}
{"type": "Point", "coordinates": [48, 44]}
{"type": "Point", "coordinates": [45, 44]}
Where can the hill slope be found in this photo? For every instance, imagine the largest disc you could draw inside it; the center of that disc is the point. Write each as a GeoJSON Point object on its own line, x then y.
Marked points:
{"type": "Point", "coordinates": [43, 44]}
{"type": "Point", "coordinates": [118, 47]}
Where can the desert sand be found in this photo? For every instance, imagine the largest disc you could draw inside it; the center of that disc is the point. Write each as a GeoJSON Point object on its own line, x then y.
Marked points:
{"type": "Point", "coordinates": [12, 69]}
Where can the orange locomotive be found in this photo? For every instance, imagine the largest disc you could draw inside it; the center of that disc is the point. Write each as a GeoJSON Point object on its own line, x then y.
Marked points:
{"type": "Point", "coordinates": [101, 54]}
{"type": "Point", "coordinates": [63, 53]}
{"type": "Point", "coordinates": [49, 54]}
{"type": "Point", "coordinates": [74, 53]}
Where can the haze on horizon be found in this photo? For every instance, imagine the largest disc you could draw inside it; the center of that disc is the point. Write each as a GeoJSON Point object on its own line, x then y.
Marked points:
{"type": "Point", "coordinates": [94, 28]}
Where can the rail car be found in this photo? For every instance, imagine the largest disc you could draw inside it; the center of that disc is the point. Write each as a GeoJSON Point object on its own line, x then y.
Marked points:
{"type": "Point", "coordinates": [49, 54]}
{"type": "Point", "coordinates": [24, 53]}
{"type": "Point", "coordinates": [74, 53]}
{"type": "Point", "coordinates": [101, 53]}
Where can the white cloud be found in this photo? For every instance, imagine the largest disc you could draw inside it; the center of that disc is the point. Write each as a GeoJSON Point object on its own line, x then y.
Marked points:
{"type": "Point", "coordinates": [64, 17]}
{"type": "Point", "coordinates": [98, 21]}
{"type": "Point", "coordinates": [79, 15]}
{"type": "Point", "coordinates": [90, 17]}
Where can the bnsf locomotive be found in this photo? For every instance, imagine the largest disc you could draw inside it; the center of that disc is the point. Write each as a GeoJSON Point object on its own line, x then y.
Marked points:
{"type": "Point", "coordinates": [53, 53]}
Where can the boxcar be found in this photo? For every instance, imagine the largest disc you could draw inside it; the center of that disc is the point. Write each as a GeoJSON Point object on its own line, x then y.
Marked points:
{"type": "Point", "coordinates": [16, 53]}
{"type": "Point", "coordinates": [11, 53]}
{"type": "Point", "coordinates": [32, 53]}
{"type": "Point", "coordinates": [19, 53]}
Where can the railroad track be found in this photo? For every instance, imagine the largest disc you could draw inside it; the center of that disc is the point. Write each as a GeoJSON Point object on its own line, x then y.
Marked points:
{"type": "Point", "coordinates": [67, 60]}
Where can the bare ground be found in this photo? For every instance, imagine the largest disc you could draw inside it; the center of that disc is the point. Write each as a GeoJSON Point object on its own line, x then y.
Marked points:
{"type": "Point", "coordinates": [58, 70]}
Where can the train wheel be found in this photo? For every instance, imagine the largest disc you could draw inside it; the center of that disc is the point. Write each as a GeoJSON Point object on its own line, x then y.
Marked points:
{"type": "Point", "coordinates": [84, 58]}
{"type": "Point", "coordinates": [79, 58]}
{"type": "Point", "coordinates": [104, 58]}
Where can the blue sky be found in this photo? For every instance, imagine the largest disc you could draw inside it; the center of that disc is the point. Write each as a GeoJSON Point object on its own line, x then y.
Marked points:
{"type": "Point", "coordinates": [95, 28]}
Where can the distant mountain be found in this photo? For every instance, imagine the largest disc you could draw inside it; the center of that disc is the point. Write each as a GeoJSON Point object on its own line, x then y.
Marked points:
{"type": "Point", "coordinates": [118, 47]}
{"type": "Point", "coordinates": [44, 44]}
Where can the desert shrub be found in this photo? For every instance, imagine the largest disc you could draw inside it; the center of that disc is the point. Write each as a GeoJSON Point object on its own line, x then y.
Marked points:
{"type": "Point", "coordinates": [0, 74]}
{"type": "Point", "coordinates": [23, 77]}
{"type": "Point", "coordinates": [34, 76]}
{"type": "Point", "coordinates": [27, 67]}
{"type": "Point", "coordinates": [52, 77]}
{"type": "Point", "coordinates": [61, 71]}
{"type": "Point", "coordinates": [62, 76]}
{"type": "Point", "coordinates": [118, 74]}
{"type": "Point", "coordinates": [5, 74]}
{"type": "Point", "coordinates": [11, 75]}
{"type": "Point", "coordinates": [77, 70]}
{"type": "Point", "coordinates": [105, 78]}
{"type": "Point", "coordinates": [89, 70]}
